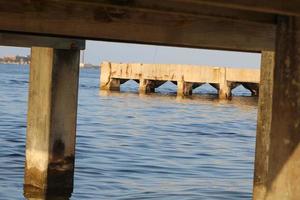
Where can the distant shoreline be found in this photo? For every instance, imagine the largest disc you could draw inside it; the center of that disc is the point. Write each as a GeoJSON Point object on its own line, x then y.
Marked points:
{"type": "Point", "coordinates": [16, 59]}
{"type": "Point", "coordinates": [13, 63]}
{"type": "Point", "coordinates": [27, 64]}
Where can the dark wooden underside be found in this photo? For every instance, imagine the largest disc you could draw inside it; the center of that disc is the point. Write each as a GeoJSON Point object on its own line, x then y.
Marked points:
{"type": "Point", "coordinates": [188, 23]}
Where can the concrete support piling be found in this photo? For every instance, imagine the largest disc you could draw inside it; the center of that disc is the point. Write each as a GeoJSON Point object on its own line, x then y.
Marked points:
{"type": "Point", "coordinates": [52, 112]}
{"type": "Point", "coordinates": [146, 86]}
{"type": "Point", "coordinates": [277, 162]}
{"type": "Point", "coordinates": [224, 91]}
{"type": "Point", "coordinates": [224, 85]}
{"type": "Point", "coordinates": [184, 88]}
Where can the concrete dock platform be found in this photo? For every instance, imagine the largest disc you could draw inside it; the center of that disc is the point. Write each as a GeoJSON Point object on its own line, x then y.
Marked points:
{"type": "Point", "coordinates": [186, 77]}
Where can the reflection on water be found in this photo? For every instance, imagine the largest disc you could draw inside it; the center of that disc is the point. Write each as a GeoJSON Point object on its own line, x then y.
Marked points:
{"type": "Point", "coordinates": [132, 146]}
{"type": "Point", "coordinates": [31, 193]}
{"type": "Point", "coordinates": [211, 99]}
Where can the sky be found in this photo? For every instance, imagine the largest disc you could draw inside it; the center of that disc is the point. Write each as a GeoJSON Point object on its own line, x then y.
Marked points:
{"type": "Point", "coordinates": [97, 51]}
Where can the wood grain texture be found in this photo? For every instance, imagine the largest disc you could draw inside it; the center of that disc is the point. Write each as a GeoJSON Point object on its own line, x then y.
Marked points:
{"type": "Point", "coordinates": [126, 23]}
{"type": "Point", "coordinates": [290, 7]}
{"type": "Point", "coordinates": [264, 121]}
{"type": "Point", "coordinates": [277, 162]}
{"type": "Point", "coordinates": [23, 40]}
{"type": "Point", "coordinates": [52, 114]}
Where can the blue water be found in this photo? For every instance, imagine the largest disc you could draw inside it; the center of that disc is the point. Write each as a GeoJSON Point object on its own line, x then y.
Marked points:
{"type": "Point", "coordinates": [140, 147]}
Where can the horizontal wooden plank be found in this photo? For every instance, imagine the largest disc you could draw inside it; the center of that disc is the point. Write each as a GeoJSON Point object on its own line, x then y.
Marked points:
{"type": "Point", "coordinates": [192, 7]}
{"type": "Point", "coordinates": [137, 24]}
{"type": "Point", "coordinates": [284, 7]}
{"type": "Point", "coordinates": [21, 40]}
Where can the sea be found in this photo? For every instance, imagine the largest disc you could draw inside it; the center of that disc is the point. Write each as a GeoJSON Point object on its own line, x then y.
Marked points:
{"type": "Point", "coordinates": [132, 146]}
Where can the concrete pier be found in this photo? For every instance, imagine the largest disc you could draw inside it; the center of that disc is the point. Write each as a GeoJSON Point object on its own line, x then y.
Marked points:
{"type": "Point", "coordinates": [186, 77]}
{"type": "Point", "coordinates": [52, 112]}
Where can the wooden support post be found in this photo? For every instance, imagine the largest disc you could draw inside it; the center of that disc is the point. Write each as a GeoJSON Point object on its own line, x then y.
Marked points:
{"type": "Point", "coordinates": [263, 125]}
{"type": "Point", "coordinates": [277, 165]}
{"type": "Point", "coordinates": [184, 88]}
{"type": "Point", "coordinates": [224, 85]}
{"type": "Point", "coordinates": [52, 112]}
{"type": "Point", "coordinates": [146, 86]}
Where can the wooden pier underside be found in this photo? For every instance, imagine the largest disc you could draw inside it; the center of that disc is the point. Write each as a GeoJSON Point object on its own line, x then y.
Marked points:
{"type": "Point", "coordinates": [168, 22]}
{"type": "Point", "coordinates": [268, 26]}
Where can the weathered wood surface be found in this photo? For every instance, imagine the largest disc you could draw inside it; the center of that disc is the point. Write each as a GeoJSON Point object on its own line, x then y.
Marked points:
{"type": "Point", "coordinates": [264, 121]}
{"type": "Point", "coordinates": [278, 176]}
{"type": "Point", "coordinates": [284, 153]}
{"type": "Point", "coordinates": [52, 112]}
{"type": "Point", "coordinates": [189, 7]}
{"type": "Point", "coordinates": [173, 23]}
{"type": "Point", "coordinates": [290, 7]}
{"type": "Point", "coordinates": [22, 40]}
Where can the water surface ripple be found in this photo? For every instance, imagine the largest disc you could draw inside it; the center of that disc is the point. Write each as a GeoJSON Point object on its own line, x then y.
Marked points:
{"type": "Point", "coordinates": [132, 146]}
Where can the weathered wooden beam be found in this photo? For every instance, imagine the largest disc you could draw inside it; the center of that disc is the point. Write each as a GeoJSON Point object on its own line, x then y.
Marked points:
{"type": "Point", "coordinates": [52, 113]}
{"type": "Point", "coordinates": [264, 121]}
{"type": "Point", "coordinates": [185, 7]}
{"type": "Point", "coordinates": [22, 40]}
{"type": "Point", "coordinates": [290, 7]}
{"type": "Point", "coordinates": [278, 144]}
{"type": "Point", "coordinates": [111, 22]}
